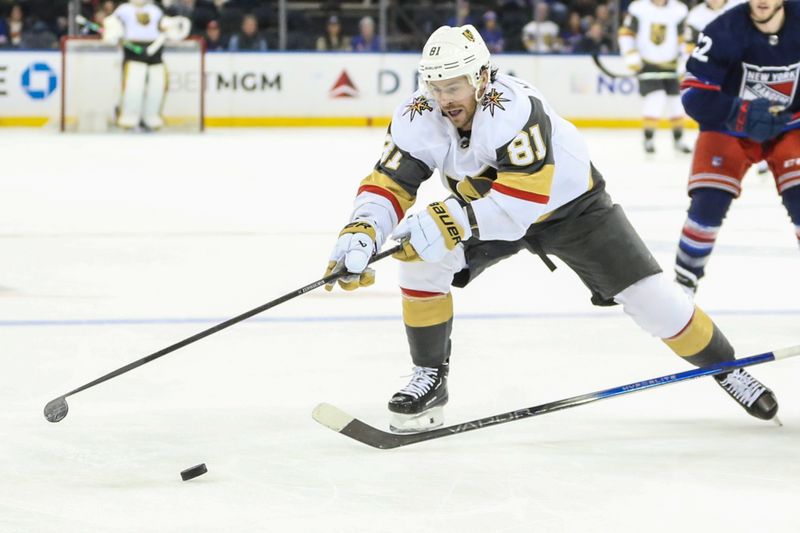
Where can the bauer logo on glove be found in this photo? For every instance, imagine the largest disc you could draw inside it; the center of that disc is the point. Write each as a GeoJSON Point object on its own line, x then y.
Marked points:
{"type": "Point", "coordinates": [433, 233]}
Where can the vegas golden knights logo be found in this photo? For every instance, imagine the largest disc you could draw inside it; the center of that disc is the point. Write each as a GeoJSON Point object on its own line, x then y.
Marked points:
{"type": "Point", "coordinates": [143, 18]}
{"type": "Point", "coordinates": [468, 35]}
{"type": "Point", "coordinates": [658, 33]}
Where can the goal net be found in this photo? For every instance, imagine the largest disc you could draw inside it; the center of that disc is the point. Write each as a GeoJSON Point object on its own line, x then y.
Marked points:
{"type": "Point", "coordinates": [92, 83]}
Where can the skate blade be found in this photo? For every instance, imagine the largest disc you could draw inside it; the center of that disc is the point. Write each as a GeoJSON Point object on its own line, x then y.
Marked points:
{"type": "Point", "coordinates": [424, 421]}
{"type": "Point", "coordinates": [777, 421]}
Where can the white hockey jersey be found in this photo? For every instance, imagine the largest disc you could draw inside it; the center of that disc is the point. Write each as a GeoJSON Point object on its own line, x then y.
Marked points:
{"type": "Point", "coordinates": [655, 31]}
{"type": "Point", "coordinates": [520, 163]}
{"type": "Point", "coordinates": [699, 17]}
{"type": "Point", "coordinates": [140, 22]}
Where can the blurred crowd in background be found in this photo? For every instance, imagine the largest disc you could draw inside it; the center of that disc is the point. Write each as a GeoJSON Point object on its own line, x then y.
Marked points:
{"type": "Point", "coordinates": [535, 26]}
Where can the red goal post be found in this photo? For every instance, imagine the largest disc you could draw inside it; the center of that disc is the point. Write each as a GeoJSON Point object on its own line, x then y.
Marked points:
{"type": "Point", "coordinates": [91, 82]}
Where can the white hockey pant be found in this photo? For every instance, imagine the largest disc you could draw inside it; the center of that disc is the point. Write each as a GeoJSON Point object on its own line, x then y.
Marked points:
{"type": "Point", "coordinates": [655, 103]}
{"type": "Point", "coordinates": [655, 303]}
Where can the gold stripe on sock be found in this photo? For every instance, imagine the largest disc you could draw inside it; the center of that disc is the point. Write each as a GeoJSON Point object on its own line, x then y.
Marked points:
{"type": "Point", "coordinates": [425, 312]}
{"type": "Point", "coordinates": [694, 337]}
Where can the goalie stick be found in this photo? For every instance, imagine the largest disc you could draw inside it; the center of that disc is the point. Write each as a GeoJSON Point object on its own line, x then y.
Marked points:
{"type": "Point", "coordinates": [642, 76]}
{"type": "Point", "coordinates": [339, 421]}
{"type": "Point", "coordinates": [93, 26]}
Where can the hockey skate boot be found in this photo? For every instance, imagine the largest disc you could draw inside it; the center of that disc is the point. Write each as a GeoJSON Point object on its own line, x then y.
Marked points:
{"type": "Point", "coordinates": [681, 147]}
{"type": "Point", "coordinates": [419, 405]}
{"type": "Point", "coordinates": [687, 280]}
{"type": "Point", "coordinates": [751, 394]}
{"type": "Point", "coordinates": [649, 146]}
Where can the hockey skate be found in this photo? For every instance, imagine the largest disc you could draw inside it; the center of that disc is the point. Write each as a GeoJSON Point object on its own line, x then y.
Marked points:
{"type": "Point", "coordinates": [681, 147]}
{"type": "Point", "coordinates": [649, 146]}
{"type": "Point", "coordinates": [419, 405]}
{"type": "Point", "coordinates": [687, 280]}
{"type": "Point", "coordinates": [750, 393]}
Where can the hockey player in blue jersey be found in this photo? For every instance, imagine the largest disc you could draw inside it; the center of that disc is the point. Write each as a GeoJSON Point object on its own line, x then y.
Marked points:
{"type": "Point", "coordinates": [742, 87]}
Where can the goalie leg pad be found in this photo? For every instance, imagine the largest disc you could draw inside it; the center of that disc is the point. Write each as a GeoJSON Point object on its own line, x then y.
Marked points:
{"type": "Point", "coordinates": [134, 81]}
{"type": "Point", "coordinates": [154, 95]}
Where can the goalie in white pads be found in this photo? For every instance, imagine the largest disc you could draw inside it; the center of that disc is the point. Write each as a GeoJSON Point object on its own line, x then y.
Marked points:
{"type": "Point", "coordinates": [521, 179]}
{"type": "Point", "coordinates": [144, 77]}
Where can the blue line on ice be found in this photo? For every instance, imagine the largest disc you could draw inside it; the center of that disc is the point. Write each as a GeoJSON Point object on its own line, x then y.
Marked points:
{"type": "Point", "coordinates": [365, 318]}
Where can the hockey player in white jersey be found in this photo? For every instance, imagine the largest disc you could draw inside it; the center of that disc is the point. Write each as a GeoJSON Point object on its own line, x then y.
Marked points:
{"type": "Point", "coordinates": [650, 42]}
{"type": "Point", "coordinates": [521, 179]}
{"type": "Point", "coordinates": [699, 17]}
{"type": "Point", "coordinates": [144, 82]}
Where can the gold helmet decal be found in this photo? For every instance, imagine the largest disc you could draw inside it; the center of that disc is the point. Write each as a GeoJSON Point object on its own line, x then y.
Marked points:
{"type": "Point", "coordinates": [468, 35]}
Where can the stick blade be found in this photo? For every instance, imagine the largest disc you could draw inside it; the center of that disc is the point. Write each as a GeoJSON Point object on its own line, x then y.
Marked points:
{"type": "Point", "coordinates": [331, 417]}
{"type": "Point", "coordinates": [56, 410]}
{"type": "Point", "coordinates": [334, 418]}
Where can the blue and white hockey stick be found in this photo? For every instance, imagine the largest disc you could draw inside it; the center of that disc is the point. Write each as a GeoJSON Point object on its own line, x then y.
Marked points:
{"type": "Point", "coordinates": [339, 421]}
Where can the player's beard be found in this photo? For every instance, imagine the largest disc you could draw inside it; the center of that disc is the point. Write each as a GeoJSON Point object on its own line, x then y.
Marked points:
{"type": "Point", "coordinates": [769, 17]}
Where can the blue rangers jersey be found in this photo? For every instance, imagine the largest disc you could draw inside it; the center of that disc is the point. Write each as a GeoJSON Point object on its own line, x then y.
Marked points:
{"type": "Point", "coordinates": [733, 59]}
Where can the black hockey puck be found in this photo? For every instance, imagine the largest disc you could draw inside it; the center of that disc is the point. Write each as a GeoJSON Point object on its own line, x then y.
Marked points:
{"type": "Point", "coordinates": [193, 472]}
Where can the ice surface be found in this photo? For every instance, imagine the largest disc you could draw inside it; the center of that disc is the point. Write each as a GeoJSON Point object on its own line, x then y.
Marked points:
{"type": "Point", "coordinates": [113, 247]}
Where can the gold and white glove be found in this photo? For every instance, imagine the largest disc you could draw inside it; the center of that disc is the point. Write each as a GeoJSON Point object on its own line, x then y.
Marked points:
{"type": "Point", "coordinates": [433, 233]}
{"type": "Point", "coordinates": [633, 61]}
{"type": "Point", "coordinates": [356, 245]}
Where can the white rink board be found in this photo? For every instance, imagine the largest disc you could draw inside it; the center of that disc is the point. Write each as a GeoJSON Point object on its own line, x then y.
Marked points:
{"type": "Point", "coordinates": [303, 85]}
{"type": "Point", "coordinates": [101, 269]}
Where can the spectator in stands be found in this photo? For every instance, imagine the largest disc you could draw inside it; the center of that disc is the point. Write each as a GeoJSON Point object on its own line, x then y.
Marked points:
{"type": "Point", "coordinates": [491, 33]}
{"type": "Point", "coordinates": [38, 37]}
{"type": "Point", "coordinates": [595, 41]}
{"type": "Point", "coordinates": [602, 14]}
{"type": "Point", "coordinates": [572, 33]}
{"type": "Point", "coordinates": [4, 40]}
{"type": "Point", "coordinates": [15, 26]}
{"type": "Point", "coordinates": [462, 15]}
{"type": "Point", "coordinates": [513, 15]}
{"type": "Point", "coordinates": [108, 7]}
{"type": "Point", "coordinates": [213, 37]}
{"type": "Point", "coordinates": [366, 40]}
{"type": "Point", "coordinates": [541, 34]}
{"type": "Point", "coordinates": [249, 38]}
{"type": "Point", "coordinates": [333, 38]}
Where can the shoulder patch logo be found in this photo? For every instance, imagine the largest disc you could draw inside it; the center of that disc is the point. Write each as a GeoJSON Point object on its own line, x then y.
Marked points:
{"type": "Point", "coordinates": [416, 107]}
{"type": "Point", "coordinates": [468, 35]}
{"type": "Point", "coordinates": [493, 99]}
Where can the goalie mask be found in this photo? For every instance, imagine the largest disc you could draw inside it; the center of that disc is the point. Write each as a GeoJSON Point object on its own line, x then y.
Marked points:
{"type": "Point", "coordinates": [452, 52]}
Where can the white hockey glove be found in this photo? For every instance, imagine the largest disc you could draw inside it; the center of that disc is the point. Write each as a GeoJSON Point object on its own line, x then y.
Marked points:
{"type": "Point", "coordinates": [357, 242]}
{"type": "Point", "coordinates": [113, 30]}
{"type": "Point", "coordinates": [431, 234]}
{"type": "Point", "coordinates": [176, 28]}
{"type": "Point", "coordinates": [633, 61]}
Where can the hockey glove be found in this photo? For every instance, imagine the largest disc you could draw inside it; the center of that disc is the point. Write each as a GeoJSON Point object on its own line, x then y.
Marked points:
{"type": "Point", "coordinates": [633, 61]}
{"type": "Point", "coordinates": [355, 246]}
{"type": "Point", "coordinates": [431, 234]}
{"type": "Point", "coordinates": [759, 119]}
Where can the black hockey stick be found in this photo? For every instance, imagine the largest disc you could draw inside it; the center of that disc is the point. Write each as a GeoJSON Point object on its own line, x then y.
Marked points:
{"type": "Point", "coordinates": [57, 409]}
{"type": "Point", "coordinates": [337, 420]}
{"type": "Point", "coordinates": [631, 75]}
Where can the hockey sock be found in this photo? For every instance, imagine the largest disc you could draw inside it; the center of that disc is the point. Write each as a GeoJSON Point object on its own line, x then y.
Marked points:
{"type": "Point", "coordinates": [700, 342]}
{"type": "Point", "coordinates": [791, 200]}
{"type": "Point", "coordinates": [677, 133]}
{"type": "Point", "coordinates": [706, 212]}
{"type": "Point", "coordinates": [428, 317]}
{"type": "Point", "coordinates": [649, 133]}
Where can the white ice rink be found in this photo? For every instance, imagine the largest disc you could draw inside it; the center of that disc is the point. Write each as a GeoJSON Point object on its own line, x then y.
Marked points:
{"type": "Point", "coordinates": [113, 247]}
